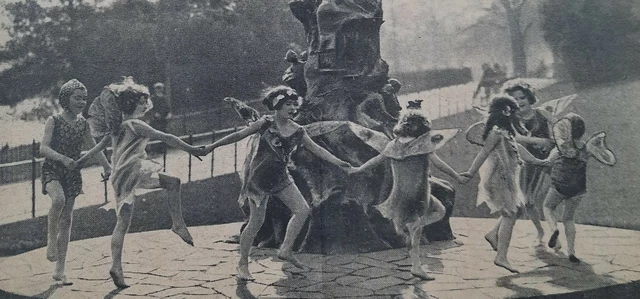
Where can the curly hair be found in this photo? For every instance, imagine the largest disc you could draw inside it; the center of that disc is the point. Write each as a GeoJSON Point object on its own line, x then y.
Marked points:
{"type": "Point", "coordinates": [498, 119]}
{"type": "Point", "coordinates": [275, 97]}
{"type": "Point", "coordinates": [67, 89]}
{"type": "Point", "coordinates": [128, 93]}
{"type": "Point", "coordinates": [525, 88]}
{"type": "Point", "coordinates": [412, 124]}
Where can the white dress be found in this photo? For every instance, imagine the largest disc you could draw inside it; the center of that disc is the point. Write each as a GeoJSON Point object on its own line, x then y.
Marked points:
{"type": "Point", "coordinates": [499, 184]}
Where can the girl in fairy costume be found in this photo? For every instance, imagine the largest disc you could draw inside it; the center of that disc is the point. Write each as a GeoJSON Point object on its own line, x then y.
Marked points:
{"type": "Point", "coordinates": [117, 113]}
{"type": "Point", "coordinates": [569, 175]}
{"type": "Point", "coordinates": [410, 205]}
{"type": "Point", "coordinates": [64, 136]}
{"type": "Point", "coordinates": [267, 173]}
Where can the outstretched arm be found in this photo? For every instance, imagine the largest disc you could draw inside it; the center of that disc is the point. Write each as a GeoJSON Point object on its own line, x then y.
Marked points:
{"type": "Point", "coordinates": [97, 148]}
{"type": "Point", "coordinates": [236, 136]}
{"type": "Point", "coordinates": [375, 161]}
{"type": "Point", "coordinates": [143, 129]}
{"type": "Point", "coordinates": [322, 153]}
{"type": "Point", "coordinates": [444, 167]}
{"type": "Point", "coordinates": [528, 157]}
{"type": "Point", "coordinates": [489, 143]}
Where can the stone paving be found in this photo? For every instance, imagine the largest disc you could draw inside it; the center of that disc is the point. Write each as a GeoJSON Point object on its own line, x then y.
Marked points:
{"type": "Point", "coordinates": [158, 265]}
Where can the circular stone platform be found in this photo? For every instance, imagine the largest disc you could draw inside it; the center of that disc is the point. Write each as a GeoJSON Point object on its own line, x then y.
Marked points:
{"type": "Point", "coordinates": [159, 265]}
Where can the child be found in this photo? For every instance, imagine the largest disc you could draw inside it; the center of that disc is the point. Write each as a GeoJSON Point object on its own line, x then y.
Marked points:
{"type": "Point", "coordinates": [131, 167]}
{"type": "Point", "coordinates": [568, 175]}
{"type": "Point", "coordinates": [499, 166]}
{"type": "Point", "coordinates": [410, 205]}
{"type": "Point", "coordinates": [64, 135]}
{"type": "Point", "coordinates": [268, 175]}
{"type": "Point", "coordinates": [534, 179]}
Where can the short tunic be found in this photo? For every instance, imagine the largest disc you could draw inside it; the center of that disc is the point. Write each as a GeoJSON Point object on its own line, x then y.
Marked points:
{"type": "Point", "coordinates": [499, 176]}
{"type": "Point", "coordinates": [67, 140]}
{"type": "Point", "coordinates": [132, 169]}
{"type": "Point", "coordinates": [267, 172]}
{"type": "Point", "coordinates": [410, 196]}
{"type": "Point", "coordinates": [569, 174]}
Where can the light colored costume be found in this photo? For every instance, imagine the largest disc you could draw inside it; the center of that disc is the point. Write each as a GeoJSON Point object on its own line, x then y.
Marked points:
{"type": "Point", "coordinates": [409, 198]}
{"type": "Point", "coordinates": [499, 184]}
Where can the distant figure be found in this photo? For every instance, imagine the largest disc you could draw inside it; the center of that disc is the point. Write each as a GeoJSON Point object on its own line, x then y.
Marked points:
{"type": "Point", "coordinates": [64, 136]}
{"type": "Point", "coordinates": [500, 77]}
{"type": "Point", "coordinates": [486, 81]}
{"type": "Point", "coordinates": [390, 96]}
{"type": "Point", "coordinates": [371, 113]}
{"type": "Point", "coordinates": [159, 115]}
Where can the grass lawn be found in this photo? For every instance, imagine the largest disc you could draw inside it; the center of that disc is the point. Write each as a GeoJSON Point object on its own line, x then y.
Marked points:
{"type": "Point", "coordinates": [613, 192]}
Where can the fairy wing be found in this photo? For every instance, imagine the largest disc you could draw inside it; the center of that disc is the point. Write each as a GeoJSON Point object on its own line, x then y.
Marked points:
{"type": "Point", "coordinates": [246, 112]}
{"type": "Point", "coordinates": [473, 134]}
{"type": "Point", "coordinates": [558, 107]}
{"type": "Point", "coordinates": [597, 147]}
{"type": "Point", "coordinates": [562, 138]}
{"type": "Point", "coordinates": [104, 115]}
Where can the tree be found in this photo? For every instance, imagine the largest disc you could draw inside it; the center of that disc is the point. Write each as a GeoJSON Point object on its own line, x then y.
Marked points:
{"type": "Point", "coordinates": [594, 38]}
{"type": "Point", "coordinates": [507, 15]}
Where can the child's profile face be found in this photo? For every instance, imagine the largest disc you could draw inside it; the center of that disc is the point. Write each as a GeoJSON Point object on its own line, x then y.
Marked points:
{"type": "Point", "coordinates": [77, 101]}
{"type": "Point", "coordinates": [142, 106]}
{"type": "Point", "coordinates": [522, 100]}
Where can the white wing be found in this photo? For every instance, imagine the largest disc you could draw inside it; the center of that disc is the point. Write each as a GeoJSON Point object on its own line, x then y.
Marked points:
{"type": "Point", "coordinates": [558, 107]}
{"type": "Point", "coordinates": [597, 147]}
{"type": "Point", "coordinates": [562, 138]}
{"type": "Point", "coordinates": [473, 134]}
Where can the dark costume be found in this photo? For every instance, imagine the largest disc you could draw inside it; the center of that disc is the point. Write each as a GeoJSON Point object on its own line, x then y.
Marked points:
{"type": "Point", "coordinates": [67, 140]}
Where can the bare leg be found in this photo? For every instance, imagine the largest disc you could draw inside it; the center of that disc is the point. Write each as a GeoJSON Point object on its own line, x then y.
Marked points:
{"type": "Point", "coordinates": [294, 200]}
{"type": "Point", "coordinates": [54, 189]}
{"type": "Point", "coordinates": [415, 231]}
{"type": "Point", "coordinates": [173, 187]}
{"type": "Point", "coordinates": [504, 238]}
{"type": "Point", "coordinates": [534, 215]}
{"type": "Point", "coordinates": [551, 202]}
{"type": "Point", "coordinates": [256, 218]}
{"type": "Point", "coordinates": [64, 233]}
{"type": "Point", "coordinates": [492, 235]}
{"type": "Point", "coordinates": [569, 227]}
{"type": "Point", "coordinates": [117, 242]}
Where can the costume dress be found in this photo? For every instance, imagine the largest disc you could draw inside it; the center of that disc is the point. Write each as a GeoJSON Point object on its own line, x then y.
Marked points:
{"type": "Point", "coordinates": [534, 179]}
{"type": "Point", "coordinates": [67, 140]}
{"type": "Point", "coordinates": [569, 172]}
{"type": "Point", "coordinates": [499, 176]}
{"type": "Point", "coordinates": [410, 197]}
{"type": "Point", "coordinates": [132, 169]}
{"type": "Point", "coordinates": [267, 172]}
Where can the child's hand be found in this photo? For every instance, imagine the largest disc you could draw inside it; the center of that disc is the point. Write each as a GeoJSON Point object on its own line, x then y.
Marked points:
{"type": "Point", "coordinates": [209, 148]}
{"type": "Point", "coordinates": [107, 172]}
{"type": "Point", "coordinates": [69, 163]}
{"type": "Point", "coordinates": [351, 170]}
{"type": "Point", "coordinates": [462, 179]}
{"type": "Point", "coordinates": [198, 151]}
{"type": "Point", "coordinates": [466, 174]}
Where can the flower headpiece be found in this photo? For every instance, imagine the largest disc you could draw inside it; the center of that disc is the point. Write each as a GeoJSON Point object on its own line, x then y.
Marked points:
{"type": "Point", "coordinates": [274, 97]}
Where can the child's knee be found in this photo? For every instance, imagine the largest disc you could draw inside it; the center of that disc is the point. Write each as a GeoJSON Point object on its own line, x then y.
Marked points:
{"type": "Point", "coordinates": [57, 203]}
{"type": "Point", "coordinates": [303, 211]}
{"type": "Point", "coordinates": [438, 209]}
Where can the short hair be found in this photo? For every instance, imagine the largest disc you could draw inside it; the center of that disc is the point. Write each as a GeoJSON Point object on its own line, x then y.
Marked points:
{"type": "Point", "coordinates": [275, 97]}
{"type": "Point", "coordinates": [497, 118]}
{"type": "Point", "coordinates": [67, 89]}
{"type": "Point", "coordinates": [128, 94]}
{"type": "Point", "coordinates": [395, 84]}
{"type": "Point", "coordinates": [412, 124]}
{"type": "Point", "coordinates": [511, 87]}
{"type": "Point", "coordinates": [577, 126]}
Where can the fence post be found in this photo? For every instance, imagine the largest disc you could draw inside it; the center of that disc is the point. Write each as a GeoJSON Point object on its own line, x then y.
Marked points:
{"type": "Point", "coordinates": [164, 157]}
{"type": "Point", "coordinates": [33, 179]}
{"type": "Point", "coordinates": [213, 139]}
{"type": "Point", "coordinates": [190, 143]}
{"type": "Point", "coordinates": [235, 153]}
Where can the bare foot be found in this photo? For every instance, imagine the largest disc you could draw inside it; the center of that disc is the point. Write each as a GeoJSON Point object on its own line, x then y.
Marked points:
{"type": "Point", "coordinates": [505, 264]}
{"type": "Point", "coordinates": [493, 240]}
{"type": "Point", "coordinates": [62, 279]}
{"type": "Point", "coordinates": [243, 272]}
{"type": "Point", "coordinates": [419, 273]}
{"type": "Point", "coordinates": [293, 260]}
{"type": "Point", "coordinates": [118, 279]}
{"type": "Point", "coordinates": [184, 234]}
